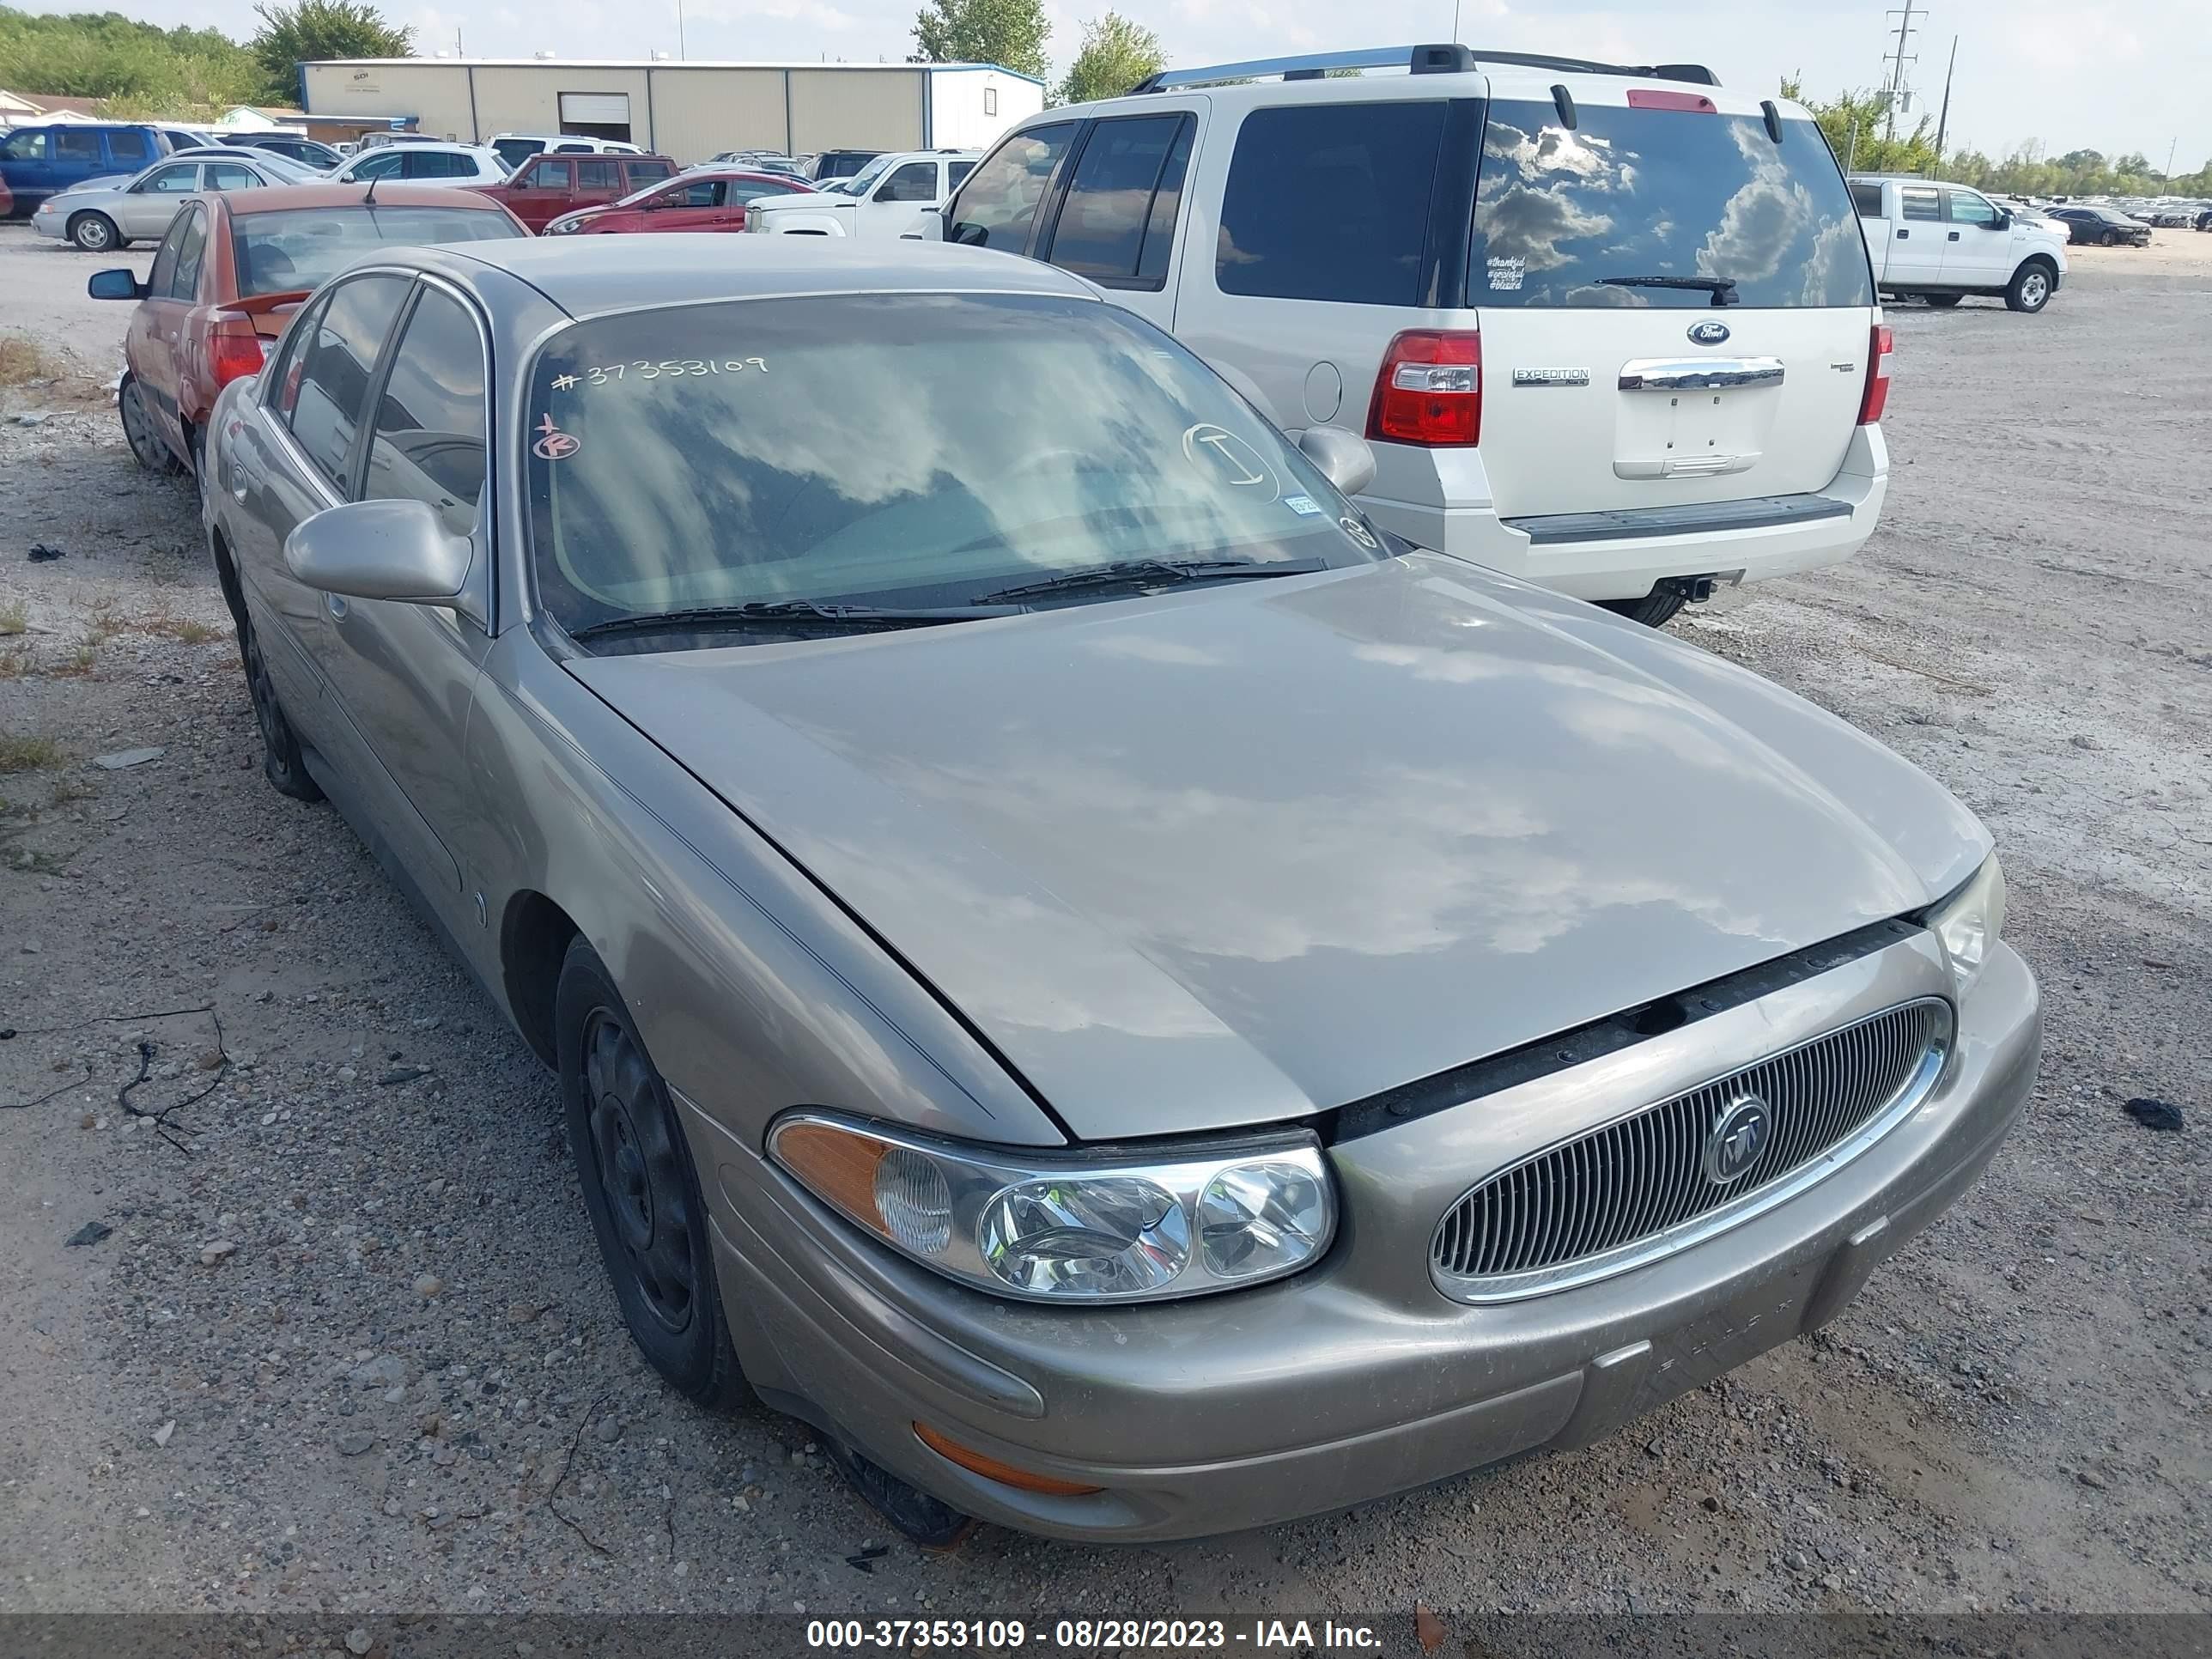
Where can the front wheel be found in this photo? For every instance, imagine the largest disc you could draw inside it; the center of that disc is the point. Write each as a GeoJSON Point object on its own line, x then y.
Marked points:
{"type": "Point", "coordinates": [146, 446]}
{"type": "Point", "coordinates": [2030, 288]}
{"type": "Point", "coordinates": [2110, 238]}
{"type": "Point", "coordinates": [95, 233]}
{"type": "Point", "coordinates": [641, 1188]}
{"type": "Point", "coordinates": [1944, 301]}
{"type": "Point", "coordinates": [280, 761]}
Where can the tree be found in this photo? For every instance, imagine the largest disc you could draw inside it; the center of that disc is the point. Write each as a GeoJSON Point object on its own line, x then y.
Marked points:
{"type": "Point", "coordinates": [310, 30]}
{"type": "Point", "coordinates": [2082, 160]}
{"type": "Point", "coordinates": [1009, 32]}
{"type": "Point", "coordinates": [1116, 54]}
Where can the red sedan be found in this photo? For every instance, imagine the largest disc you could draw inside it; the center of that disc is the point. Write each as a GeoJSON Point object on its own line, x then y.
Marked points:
{"type": "Point", "coordinates": [709, 199]}
{"type": "Point", "coordinates": [233, 267]}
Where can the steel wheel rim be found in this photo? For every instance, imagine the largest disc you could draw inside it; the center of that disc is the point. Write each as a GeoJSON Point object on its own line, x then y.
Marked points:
{"type": "Point", "coordinates": [92, 234]}
{"type": "Point", "coordinates": [2034, 288]}
{"type": "Point", "coordinates": [640, 1171]}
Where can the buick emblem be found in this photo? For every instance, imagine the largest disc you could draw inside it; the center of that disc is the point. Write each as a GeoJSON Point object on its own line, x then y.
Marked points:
{"type": "Point", "coordinates": [1738, 1136]}
{"type": "Point", "coordinates": [1709, 332]}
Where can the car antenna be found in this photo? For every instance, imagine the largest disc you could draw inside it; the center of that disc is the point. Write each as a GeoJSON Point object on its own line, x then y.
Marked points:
{"type": "Point", "coordinates": [369, 200]}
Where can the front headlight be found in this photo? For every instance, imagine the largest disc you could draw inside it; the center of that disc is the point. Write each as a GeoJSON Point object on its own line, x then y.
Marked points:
{"type": "Point", "coordinates": [1067, 1228]}
{"type": "Point", "coordinates": [1970, 922]}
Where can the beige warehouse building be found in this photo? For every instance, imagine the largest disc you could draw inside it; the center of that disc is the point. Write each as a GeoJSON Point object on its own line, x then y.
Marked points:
{"type": "Point", "coordinates": [689, 111]}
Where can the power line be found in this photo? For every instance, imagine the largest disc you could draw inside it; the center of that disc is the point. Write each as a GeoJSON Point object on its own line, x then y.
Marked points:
{"type": "Point", "coordinates": [1895, 92]}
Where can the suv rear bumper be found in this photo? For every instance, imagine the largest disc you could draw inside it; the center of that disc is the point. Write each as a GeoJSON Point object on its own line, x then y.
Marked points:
{"type": "Point", "coordinates": [1621, 558]}
{"type": "Point", "coordinates": [1357, 1378]}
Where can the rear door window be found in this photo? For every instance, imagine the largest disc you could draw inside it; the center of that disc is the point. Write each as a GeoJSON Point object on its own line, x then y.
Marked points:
{"type": "Point", "coordinates": [1330, 201]}
{"type": "Point", "coordinates": [76, 146]}
{"type": "Point", "coordinates": [229, 175]}
{"type": "Point", "coordinates": [644, 173]}
{"type": "Point", "coordinates": [598, 175]}
{"type": "Point", "coordinates": [549, 175]}
{"type": "Point", "coordinates": [1920, 203]}
{"type": "Point", "coordinates": [999, 203]}
{"type": "Point", "coordinates": [335, 368]}
{"type": "Point", "coordinates": [1866, 200]}
{"type": "Point", "coordinates": [1118, 220]}
{"type": "Point", "coordinates": [129, 146]}
{"type": "Point", "coordinates": [1636, 207]}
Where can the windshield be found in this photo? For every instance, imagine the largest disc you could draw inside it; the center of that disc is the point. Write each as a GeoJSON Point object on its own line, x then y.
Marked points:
{"type": "Point", "coordinates": [1648, 207]}
{"type": "Point", "coordinates": [861, 182]}
{"type": "Point", "coordinates": [904, 450]}
{"type": "Point", "coordinates": [301, 247]}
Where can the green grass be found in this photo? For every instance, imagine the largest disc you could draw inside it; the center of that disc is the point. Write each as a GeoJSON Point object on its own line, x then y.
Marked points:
{"type": "Point", "coordinates": [27, 754]}
{"type": "Point", "coordinates": [14, 619]}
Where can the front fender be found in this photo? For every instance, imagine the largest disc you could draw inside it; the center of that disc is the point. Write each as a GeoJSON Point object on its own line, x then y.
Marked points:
{"type": "Point", "coordinates": [798, 222]}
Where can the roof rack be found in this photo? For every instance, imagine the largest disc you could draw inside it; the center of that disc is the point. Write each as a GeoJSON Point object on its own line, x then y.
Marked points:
{"type": "Point", "coordinates": [1447, 59]}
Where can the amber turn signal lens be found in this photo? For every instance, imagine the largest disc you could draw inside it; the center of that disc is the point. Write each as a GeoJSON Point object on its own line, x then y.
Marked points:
{"type": "Point", "coordinates": [991, 1469]}
{"type": "Point", "coordinates": [839, 1165]}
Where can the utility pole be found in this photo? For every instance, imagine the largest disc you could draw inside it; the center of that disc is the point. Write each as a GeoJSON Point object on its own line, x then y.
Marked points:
{"type": "Point", "coordinates": [1943, 121]}
{"type": "Point", "coordinates": [1454, 22]}
{"type": "Point", "coordinates": [2170, 148]}
{"type": "Point", "coordinates": [679, 30]}
{"type": "Point", "coordinates": [1897, 60]}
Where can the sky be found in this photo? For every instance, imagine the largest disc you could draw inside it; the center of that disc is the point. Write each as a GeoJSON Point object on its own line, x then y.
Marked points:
{"type": "Point", "coordinates": [2074, 74]}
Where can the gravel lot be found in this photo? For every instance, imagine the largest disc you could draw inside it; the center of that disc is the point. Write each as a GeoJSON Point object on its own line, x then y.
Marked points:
{"type": "Point", "coordinates": [346, 1345]}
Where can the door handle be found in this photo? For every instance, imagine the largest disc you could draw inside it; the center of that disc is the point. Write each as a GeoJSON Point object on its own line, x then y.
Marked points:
{"type": "Point", "coordinates": [336, 605]}
{"type": "Point", "coordinates": [1953, 237]}
{"type": "Point", "coordinates": [1904, 235]}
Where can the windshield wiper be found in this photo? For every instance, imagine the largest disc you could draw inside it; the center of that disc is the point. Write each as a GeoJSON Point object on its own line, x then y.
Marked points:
{"type": "Point", "coordinates": [1722, 288]}
{"type": "Point", "coordinates": [1153, 572]}
{"type": "Point", "coordinates": [785, 613]}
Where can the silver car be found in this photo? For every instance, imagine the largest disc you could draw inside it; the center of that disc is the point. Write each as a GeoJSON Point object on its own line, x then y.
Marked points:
{"type": "Point", "coordinates": [102, 215]}
{"type": "Point", "coordinates": [1136, 1004]}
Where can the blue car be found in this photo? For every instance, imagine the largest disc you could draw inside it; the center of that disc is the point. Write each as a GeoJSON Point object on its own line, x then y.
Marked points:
{"type": "Point", "coordinates": [36, 163]}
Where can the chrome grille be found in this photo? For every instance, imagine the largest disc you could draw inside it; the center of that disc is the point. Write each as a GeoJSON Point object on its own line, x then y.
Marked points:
{"type": "Point", "coordinates": [1636, 1188]}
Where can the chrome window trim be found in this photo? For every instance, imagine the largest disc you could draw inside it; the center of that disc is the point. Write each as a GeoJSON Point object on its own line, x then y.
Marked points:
{"type": "Point", "coordinates": [1489, 1290]}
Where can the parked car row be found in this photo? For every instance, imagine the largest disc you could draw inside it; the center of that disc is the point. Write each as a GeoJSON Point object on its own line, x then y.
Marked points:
{"type": "Point", "coordinates": [1537, 1016]}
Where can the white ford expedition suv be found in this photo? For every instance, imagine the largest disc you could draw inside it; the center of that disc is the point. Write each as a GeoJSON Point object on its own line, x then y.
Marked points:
{"type": "Point", "coordinates": [1609, 328]}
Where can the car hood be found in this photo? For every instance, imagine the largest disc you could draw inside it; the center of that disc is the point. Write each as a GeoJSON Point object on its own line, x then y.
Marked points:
{"type": "Point", "coordinates": [801, 197]}
{"type": "Point", "coordinates": [106, 185]}
{"type": "Point", "coordinates": [1241, 854]}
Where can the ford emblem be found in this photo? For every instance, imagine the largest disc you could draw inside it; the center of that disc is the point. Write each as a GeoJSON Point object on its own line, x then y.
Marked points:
{"type": "Point", "coordinates": [1738, 1136]}
{"type": "Point", "coordinates": [1709, 333]}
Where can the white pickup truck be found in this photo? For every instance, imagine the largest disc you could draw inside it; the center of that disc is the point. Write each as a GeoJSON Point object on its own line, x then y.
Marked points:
{"type": "Point", "coordinates": [883, 201]}
{"type": "Point", "coordinates": [1942, 242]}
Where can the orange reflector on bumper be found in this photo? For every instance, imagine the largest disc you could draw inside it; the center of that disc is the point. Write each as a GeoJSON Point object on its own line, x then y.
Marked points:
{"type": "Point", "coordinates": [991, 1469]}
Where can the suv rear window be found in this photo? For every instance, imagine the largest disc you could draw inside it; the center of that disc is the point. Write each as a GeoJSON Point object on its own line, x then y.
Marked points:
{"type": "Point", "coordinates": [1330, 201]}
{"type": "Point", "coordinates": [1562, 215]}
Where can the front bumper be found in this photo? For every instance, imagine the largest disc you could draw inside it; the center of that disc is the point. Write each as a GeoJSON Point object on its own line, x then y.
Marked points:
{"type": "Point", "coordinates": [1357, 1378]}
{"type": "Point", "coordinates": [1627, 567]}
{"type": "Point", "coordinates": [48, 221]}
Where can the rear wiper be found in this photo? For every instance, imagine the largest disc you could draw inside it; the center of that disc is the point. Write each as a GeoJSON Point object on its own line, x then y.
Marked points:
{"type": "Point", "coordinates": [785, 613]}
{"type": "Point", "coordinates": [1153, 572]}
{"type": "Point", "coordinates": [1722, 288]}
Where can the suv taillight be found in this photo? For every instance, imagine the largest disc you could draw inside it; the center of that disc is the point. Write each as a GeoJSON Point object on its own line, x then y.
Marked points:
{"type": "Point", "coordinates": [233, 349]}
{"type": "Point", "coordinates": [1880, 350]}
{"type": "Point", "coordinates": [1430, 390]}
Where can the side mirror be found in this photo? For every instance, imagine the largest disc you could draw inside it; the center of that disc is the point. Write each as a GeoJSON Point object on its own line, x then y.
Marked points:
{"type": "Point", "coordinates": [1343, 457]}
{"type": "Point", "coordinates": [2004, 220]}
{"type": "Point", "coordinates": [382, 550]}
{"type": "Point", "coordinates": [118, 284]}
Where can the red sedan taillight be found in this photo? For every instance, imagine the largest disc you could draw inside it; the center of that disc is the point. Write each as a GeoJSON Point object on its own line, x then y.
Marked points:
{"type": "Point", "coordinates": [1430, 390]}
{"type": "Point", "coordinates": [1880, 347]}
{"type": "Point", "coordinates": [234, 348]}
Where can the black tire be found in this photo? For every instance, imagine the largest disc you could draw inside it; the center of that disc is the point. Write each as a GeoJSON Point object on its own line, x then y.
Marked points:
{"type": "Point", "coordinates": [1655, 609]}
{"type": "Point", "coordinates": [280, 745]}
{"type": "Point", "coordinates": [2110, 238]}
{"type": "Point", "coordinates": [641, 1188]}
{"type": "Point", "coordinates": [2031, 287]}
{"type": "Point", "coordinates": [146, 446]}
{"type": "Point", "coordinates": [1944, 301]}
{"type": "Point", "coordinates": [95, 233]}
{"type": "Point", "coordinates": [196, 441]}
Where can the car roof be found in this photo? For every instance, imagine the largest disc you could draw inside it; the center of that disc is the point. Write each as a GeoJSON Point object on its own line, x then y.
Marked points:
{"type": "Point", "coordinates": [595, 276]}
{"type": "Point", "coordinates": [278, 197]}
